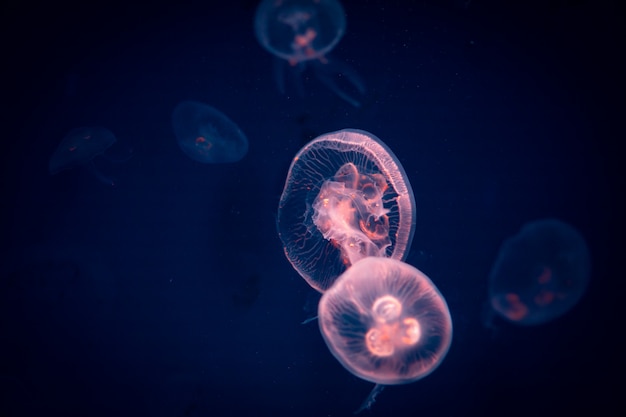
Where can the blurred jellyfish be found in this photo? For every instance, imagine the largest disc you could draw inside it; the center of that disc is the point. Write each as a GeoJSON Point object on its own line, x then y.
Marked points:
{"type": "Point", "coordinates": [346, 197]}
{"type": "Point", "coordinates": [539, 274]}
{"type": "Point", "coordinates": [385, 322]}
{"type": "Point", "coordinates": [206, 135]}
{"type": "Point", "coordinates": [301, 32]}
{"type": "Point", "coordinates": [79, 148]}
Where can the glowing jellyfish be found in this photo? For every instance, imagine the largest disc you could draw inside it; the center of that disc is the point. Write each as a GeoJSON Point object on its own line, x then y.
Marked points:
{"type": "Point", "coordinates": [540, 273]}
{"type": "Point", "coordinates": [79, 148]}
{"type": "Point", "coordinates": [301, 32]}
{"type": "Point", "coordinates": [206, 135]}
{"type": "Point", "coordinates": [386, 322]}
{"type": "Point", "coordinates": [346, 197]}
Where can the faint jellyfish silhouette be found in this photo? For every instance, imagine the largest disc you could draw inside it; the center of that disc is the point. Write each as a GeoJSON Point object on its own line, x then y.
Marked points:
{"type": "Point", "coordinates": [346, 197]}
{"type": "Point", "coordinates": [539, 274]}
{"type": "Point", "coordinates": [79, 147]}
{"type": "Point", "coordinates": [385, 322]}
{"type": "Point", "coordinates": [207, 135]}
{"type": "Point", "coordinates": [301, 32]}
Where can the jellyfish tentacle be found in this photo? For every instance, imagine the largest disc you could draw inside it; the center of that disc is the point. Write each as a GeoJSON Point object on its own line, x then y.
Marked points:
{"type": "Point", "coordinates": [279, 74]}
{"type": "Point", "coordinates": [285, 72]}
{"type": "Point", "coordinates": [330, 72]}
{"type": "Point", "coordinates": [371, 398]}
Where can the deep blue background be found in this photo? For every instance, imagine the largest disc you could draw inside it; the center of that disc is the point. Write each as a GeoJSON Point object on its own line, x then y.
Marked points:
{"type": "Point", "coordinates": [169, 294]}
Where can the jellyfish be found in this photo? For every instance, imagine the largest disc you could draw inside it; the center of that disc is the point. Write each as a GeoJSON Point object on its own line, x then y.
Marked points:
{"type": "Point", "coordinates": [385, 322]}
{"type": "Point", "coordinates": [206, 135]}
{"type": "Point", "coordinates": [346, 197]}
{"type": "Point", "coordinates": [540, 273]}
{"type": "Point", "coordinates": [79, 147]}
{"type": "Point", "coordinates": [301, 33]}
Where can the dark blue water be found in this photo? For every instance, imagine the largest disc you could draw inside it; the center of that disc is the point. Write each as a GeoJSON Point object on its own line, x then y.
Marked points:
{"type": "Point", "coordinates": [169, 294]}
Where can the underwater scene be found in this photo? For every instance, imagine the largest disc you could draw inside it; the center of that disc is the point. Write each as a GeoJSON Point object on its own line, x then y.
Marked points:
{"type": "Point", "coordinates": [312, 208]}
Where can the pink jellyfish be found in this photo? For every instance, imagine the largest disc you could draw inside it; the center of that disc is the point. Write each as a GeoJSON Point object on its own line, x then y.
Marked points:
{"type": "Point", "coordinates": [346, 197]}
{"type": "Point", "coordinates": [385, 322]}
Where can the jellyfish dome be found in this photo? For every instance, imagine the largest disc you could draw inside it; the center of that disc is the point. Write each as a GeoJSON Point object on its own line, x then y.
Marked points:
{"type": "Point", "coordinates": [79, 147]}
{"type": "Point", "coordinates": [207, 135]}
{"type": "Point", "coordinates": [299, 30]}
{"type": "Point", "coordinates": [385, 322]}
{"type": "Point", "coordinates": [346, 197]}
{"type": "Point", "coordinates": [540, 273]}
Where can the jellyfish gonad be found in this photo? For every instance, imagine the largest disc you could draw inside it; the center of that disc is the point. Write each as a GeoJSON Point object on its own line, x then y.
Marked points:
{"type": "Point", "coordinates": [300, 34]}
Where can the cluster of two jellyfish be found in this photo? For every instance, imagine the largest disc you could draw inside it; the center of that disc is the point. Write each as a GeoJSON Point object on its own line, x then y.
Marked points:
{"type": "Point", "coordinates": [203, 133]}
{"type": "Point", "coordinates": [297, 32]}
{"type": "Point", "coordinates": [346, 219]}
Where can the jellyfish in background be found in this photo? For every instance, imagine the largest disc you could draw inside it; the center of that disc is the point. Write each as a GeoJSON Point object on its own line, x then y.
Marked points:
{"type": "Point", "coordinates": [79, 148]}
{"type": "Point", "coordinates": [206, 135]}
{"type": "Point", "coordinates": [385, 322]}
{"type": "Point", "coordinates": [346, 197]}
{"type": "Point", "coordinates": [539, 274]}
{"type": "Point", "coordinates": [302, 32]}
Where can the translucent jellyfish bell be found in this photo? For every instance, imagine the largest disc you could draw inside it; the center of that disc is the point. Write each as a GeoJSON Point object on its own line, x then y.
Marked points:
{"type": "Point", "coordinates": [207, 135]}
{"type": "Point", "coordinates": [346, 197]}
{"type": "Point", "coordinates": [299, 30]}
{"type": "Point", "coordinates": [385, 322]}
{"type": "Point", "coordinates": [301, 33]}
{"type": "Point", "coordinates": [79, 147]}
{"type": "Point", "coordinates": [540, 273]}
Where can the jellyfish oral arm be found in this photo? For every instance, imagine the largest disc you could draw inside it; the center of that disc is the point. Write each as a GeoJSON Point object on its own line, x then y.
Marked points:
{"type": "Point", "coordinates": [302, 45]}
{"type": "Point", "coordinates": [350, 213]}
{"type": "Point", "coordinates": [310, 319]}
{"type": "Point", "coordinates": [335, 217]}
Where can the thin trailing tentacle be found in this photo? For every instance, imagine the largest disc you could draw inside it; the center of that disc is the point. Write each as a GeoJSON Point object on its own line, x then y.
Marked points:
{"type": "Point", "coordinates": [371, 399]}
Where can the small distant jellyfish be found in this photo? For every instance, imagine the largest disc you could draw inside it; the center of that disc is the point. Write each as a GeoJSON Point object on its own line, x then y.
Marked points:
{"type": "Point", "coordinates": [301, 33]}
{"type": "Point", "coordinates": [346, 197]}
{"type": "Point", "coordinates": [207, 135]}
{"type": "Point", "coordinates": [540, 273]}
{"type": "Point", "coordinates": [79, 147]}
{"type": "Point", "coordinates": [385, 322]}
